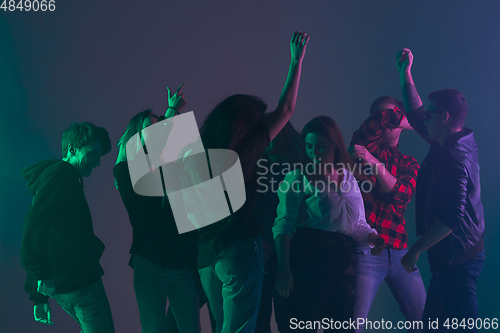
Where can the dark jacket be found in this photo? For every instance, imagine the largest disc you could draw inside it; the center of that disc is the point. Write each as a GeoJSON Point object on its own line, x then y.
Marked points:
{"type": "Point", "coordinates": [155, 235]}
{"type": "Point", "coordinates": [58, 238]}
{"type": "Point", "coordinates": [448, 189]}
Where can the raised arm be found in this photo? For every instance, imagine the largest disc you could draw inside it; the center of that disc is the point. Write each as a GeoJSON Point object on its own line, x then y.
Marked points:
{"type": "Point", "coordinates": [412, 100]}
{"type": "Point", "coordinates": [413, 104]}
{"type": "Point", "coordinates": [277, 119]}
{"type": "Point", "coordinates": [176, 102]}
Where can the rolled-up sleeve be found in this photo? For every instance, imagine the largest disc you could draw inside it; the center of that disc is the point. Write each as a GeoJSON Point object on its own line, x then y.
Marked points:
{"type": "Point", "coordinates": [355, 224]}
{"type": "Point", "coordinates": [403, 190]}
{"type": "Point", "coordinates": [290, 194]}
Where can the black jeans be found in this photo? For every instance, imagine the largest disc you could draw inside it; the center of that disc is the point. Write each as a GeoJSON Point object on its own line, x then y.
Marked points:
{"type": "Point", "coordinates": [269, 298]}
{"type": "Point", "coordinates": [322, 290]}
{"type": "Point", "coordinates": [452, 296]}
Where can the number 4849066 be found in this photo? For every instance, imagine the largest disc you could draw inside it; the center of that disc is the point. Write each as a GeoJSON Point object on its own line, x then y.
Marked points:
{"type": "Point", "coordinates": [471, 323]}
{"type": "Point", "coordinates": [27, 5]}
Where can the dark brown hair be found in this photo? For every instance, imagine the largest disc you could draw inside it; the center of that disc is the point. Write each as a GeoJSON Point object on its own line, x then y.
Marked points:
{"type": "Point", "coordinates": [82, 134]}
{"type": "Point", "coordinates": [452, 101]}
{"type": "Point", "coordinates": [231, 121]}
{"type": "Point", "coordinates": [328, 127]}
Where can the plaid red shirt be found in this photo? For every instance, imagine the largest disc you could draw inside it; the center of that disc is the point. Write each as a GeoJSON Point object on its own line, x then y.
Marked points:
{"type": "Point", "coordinates": [385, 211]}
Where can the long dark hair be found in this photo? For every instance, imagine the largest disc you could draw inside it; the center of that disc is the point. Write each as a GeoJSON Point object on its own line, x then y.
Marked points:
{"type": "Point", "coordinates": [328, 127]}
{"type": "Point", "coordinates": [287, 145]}
{"type": "Point", "coordinates": [134, 126]}
{"type": "Point", "coordinates": [231, 121]}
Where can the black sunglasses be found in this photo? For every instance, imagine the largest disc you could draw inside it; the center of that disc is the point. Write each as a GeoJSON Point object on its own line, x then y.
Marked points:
{"type": "Point", "coordinates": [428, 114]}
{"type": "Point", "coordinates": [394, 109]}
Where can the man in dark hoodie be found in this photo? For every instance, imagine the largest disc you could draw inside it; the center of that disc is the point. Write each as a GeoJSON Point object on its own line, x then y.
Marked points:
{"type": "Point", "coordinates": [448, 205]}
{"type": "Point", "coordinates": [59, 250]}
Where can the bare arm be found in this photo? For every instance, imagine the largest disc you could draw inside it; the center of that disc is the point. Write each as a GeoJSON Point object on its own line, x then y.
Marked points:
{"type": "Point", "coordinates": [291, 196]}
{"type": "Point", "coordinates": [277, 119]}
{"type": "Point", "coordinates": [436, 232]}
{"type": "Point", "coordinates": [413, 104]}
{"type": "Point", "coordinates": [284, 278]}
{"type": "Point", "coordinates": [411, 97]}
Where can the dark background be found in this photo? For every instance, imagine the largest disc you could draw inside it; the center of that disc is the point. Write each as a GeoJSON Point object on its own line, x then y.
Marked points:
{"type": "Point", "coordinates": [104, 61]}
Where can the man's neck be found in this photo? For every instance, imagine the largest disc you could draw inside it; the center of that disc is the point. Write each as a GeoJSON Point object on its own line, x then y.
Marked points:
{"type": "Point", "coordinates": [447, 133]}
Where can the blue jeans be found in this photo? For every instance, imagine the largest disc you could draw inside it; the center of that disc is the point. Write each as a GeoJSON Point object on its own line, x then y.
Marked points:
{"type": "Point", "coordinates": [233, 284]}
{"type": "Point", "coordinates": [89, 306]}
{"type": "Point", "coordinates": [452, 294]}
{"type": "Point", "coordinates": [153, 284]}
{"type": "Point", "coordinates": [407, 288]}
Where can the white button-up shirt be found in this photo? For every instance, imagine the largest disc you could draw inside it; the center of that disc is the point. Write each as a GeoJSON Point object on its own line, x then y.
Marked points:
{"type": "Point", "coordinates": [316, 205]}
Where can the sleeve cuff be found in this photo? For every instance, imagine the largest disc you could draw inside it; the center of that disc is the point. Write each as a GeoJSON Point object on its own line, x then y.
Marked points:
{"type": "Point", "coordinates": [282, 230]}
{"type": "Point", "coordinates": [365, 239]}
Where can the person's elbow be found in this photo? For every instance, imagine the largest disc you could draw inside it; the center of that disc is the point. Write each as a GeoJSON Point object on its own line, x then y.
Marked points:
{"type": "Point", "coordinates": [288, 110]}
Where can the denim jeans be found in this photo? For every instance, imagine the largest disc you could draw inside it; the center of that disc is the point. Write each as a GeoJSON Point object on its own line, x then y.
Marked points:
{"type": "Point", "coordinates": [153, 284]}
{"type": "Point", "coordinates": [233, 284]}
{"type": "Point", "coordinates": [452, 294]}
{"type": "Point", "coordinates": [407, 288]}
{"type": "Point", "coordinates": [202, 300]}
{"type": "Point", "coordinates": [90, 308]}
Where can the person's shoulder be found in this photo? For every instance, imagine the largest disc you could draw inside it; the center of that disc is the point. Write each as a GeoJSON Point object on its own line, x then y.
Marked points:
{"type": "Point", "coordinates": [61, 169]}
{"type": "Point", "coordinates": [459, 147]}
{"type": "Point", "coordinates": [120, 169]}
{"type": "Point", "coordinates": [60, 174]}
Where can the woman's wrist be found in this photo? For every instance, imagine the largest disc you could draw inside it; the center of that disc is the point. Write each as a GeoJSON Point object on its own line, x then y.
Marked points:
{"type": "Point", "coordinates": [174, 109]}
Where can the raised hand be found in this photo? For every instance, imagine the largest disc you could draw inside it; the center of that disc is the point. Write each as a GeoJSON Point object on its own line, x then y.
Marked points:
{"type": "Point", "coordinates": [176, 101]}
{"type": "Point", "coordinates": [41, 313]}
{"type": "Point", "coordinates": [298, 45]}
{"type": "Point", "coordinates": [404, 60]}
